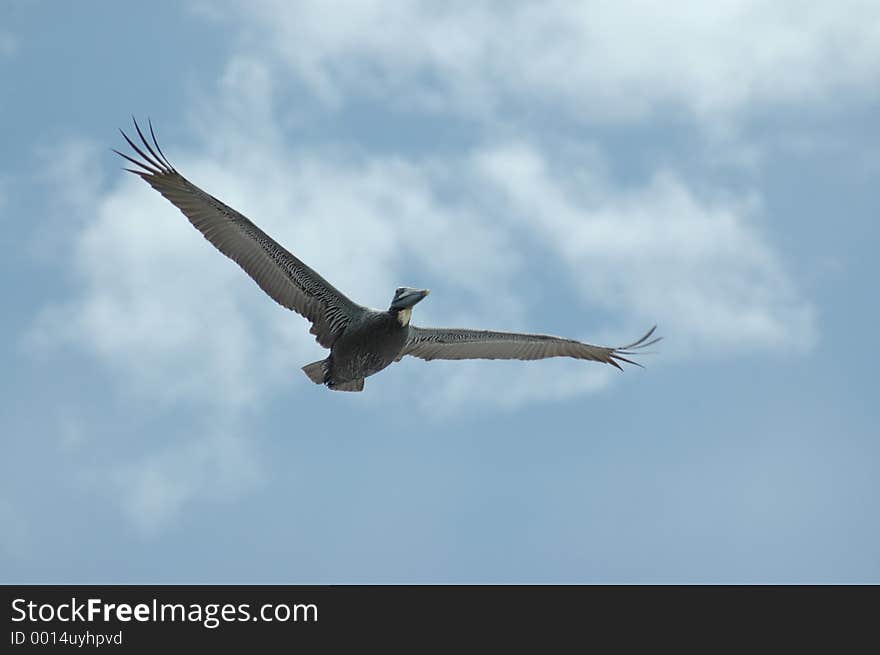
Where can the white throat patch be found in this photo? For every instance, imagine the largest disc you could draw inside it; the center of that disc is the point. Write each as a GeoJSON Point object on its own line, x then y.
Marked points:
{"type": "Point", "coordinates": [404, 315]}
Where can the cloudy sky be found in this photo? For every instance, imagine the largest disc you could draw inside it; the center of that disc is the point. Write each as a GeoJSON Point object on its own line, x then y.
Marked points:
{"type": "Point", "coordinates": [585, 169]}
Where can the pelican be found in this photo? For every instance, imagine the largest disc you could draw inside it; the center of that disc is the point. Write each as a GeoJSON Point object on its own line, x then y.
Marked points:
{"type": "Point", "coordinates": [362, 341]}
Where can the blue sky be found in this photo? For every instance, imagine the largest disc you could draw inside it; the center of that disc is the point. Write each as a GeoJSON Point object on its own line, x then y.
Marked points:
{"type": "Point", "coordinates": [582, 169]}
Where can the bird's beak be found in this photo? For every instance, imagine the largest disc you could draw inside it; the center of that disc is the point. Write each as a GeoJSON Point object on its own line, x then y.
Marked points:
{"type": "Point", "coordinates": [417, 296]}
{"type": "Point", "coordinates": [410, 298]}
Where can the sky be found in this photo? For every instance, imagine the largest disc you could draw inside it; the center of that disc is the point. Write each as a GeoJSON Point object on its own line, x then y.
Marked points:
{"type": "Point", "coordinates": [583, 169]}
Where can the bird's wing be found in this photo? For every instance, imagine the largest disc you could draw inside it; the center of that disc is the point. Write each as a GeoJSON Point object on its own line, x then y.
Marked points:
{"type": "Point", "coordinates": [281, 275]}
{"type": "Point", "coordinates": [451, 343]}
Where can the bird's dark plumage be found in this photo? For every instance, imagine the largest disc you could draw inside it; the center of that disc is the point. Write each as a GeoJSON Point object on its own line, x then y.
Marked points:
{"type": "Point", "coordinates": [362, 341]}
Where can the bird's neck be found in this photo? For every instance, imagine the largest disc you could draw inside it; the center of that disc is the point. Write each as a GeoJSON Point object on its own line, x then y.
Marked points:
{"type": "Point", "coordinates": [403, 316]}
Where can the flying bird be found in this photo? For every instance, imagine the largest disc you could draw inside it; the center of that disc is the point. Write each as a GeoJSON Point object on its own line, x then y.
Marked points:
{"type": "Point", "coordinates": [362, 341]}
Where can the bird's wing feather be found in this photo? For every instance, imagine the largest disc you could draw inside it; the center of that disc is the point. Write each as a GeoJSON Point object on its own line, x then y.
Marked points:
{"type": "Point", "coordinates": [280, 274]}
{"type": "Point", "coordinates": [452, 343]}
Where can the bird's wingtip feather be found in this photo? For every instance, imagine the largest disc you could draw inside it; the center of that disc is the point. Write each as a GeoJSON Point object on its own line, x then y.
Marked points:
{"type": "Point", "coordinates": [155, 163]}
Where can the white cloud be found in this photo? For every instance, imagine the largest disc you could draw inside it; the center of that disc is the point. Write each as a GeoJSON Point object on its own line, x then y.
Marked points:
{"type": "Point", "coordinates": [602, 60]}
{"type": "Point", "coordinates": [155, 489]}
{"type": "Point", "coordinates": [701, 269]}
{"type": "Point", "coordinates": [71, 168]}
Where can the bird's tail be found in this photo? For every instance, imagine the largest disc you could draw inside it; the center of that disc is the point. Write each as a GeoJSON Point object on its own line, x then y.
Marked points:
{"type": "Point", "coordinates": [316, 371]}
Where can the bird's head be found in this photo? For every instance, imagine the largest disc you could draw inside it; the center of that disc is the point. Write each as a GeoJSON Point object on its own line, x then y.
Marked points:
{"type": "Point", "coordinates": [403, 301]}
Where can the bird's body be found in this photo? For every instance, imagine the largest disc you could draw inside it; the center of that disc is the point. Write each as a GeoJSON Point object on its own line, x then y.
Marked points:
{"type": "Point", "coordinates": [368, 344]}
{"type": "Point", "coordinates": [362, 341]}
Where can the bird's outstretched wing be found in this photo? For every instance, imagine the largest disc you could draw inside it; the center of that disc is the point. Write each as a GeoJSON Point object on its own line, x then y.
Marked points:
{"type": "Point", "coordinates": [451, 343]}
{"type": "Point", "coordinates": [281, 275]}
